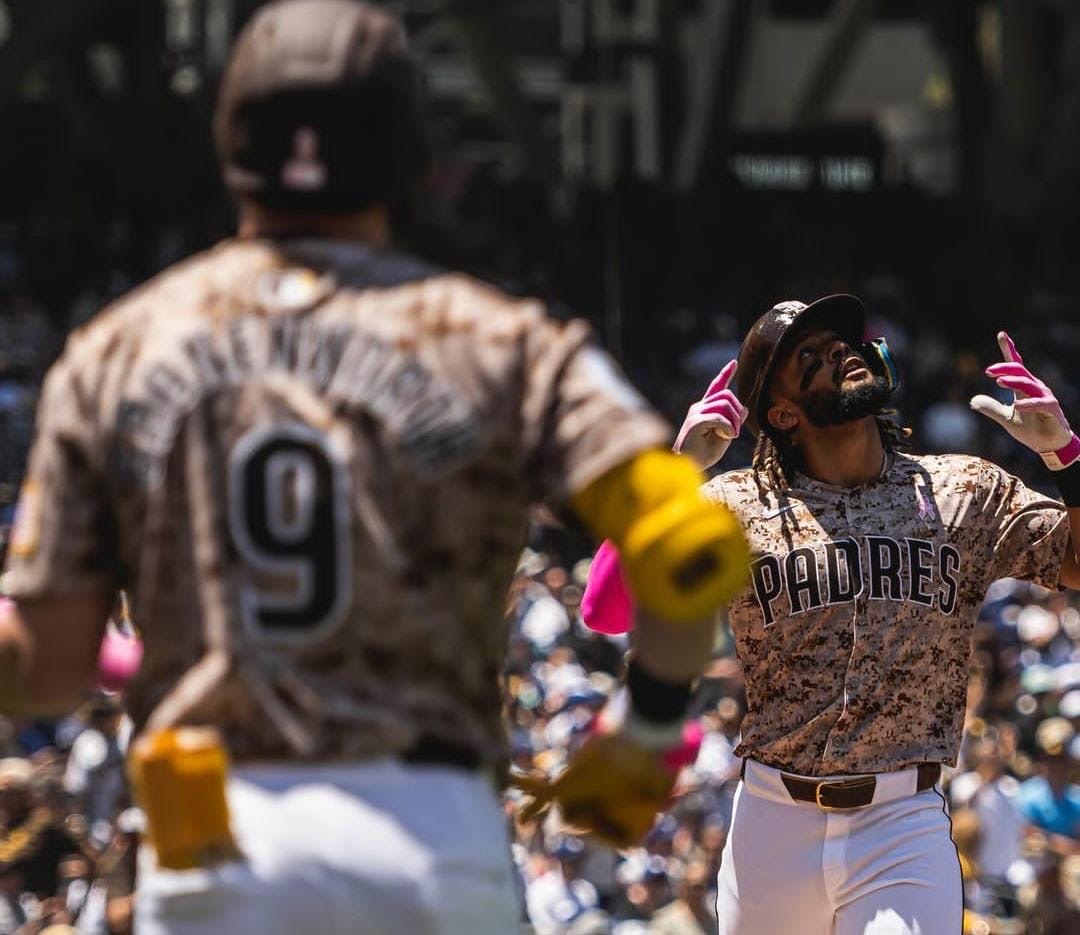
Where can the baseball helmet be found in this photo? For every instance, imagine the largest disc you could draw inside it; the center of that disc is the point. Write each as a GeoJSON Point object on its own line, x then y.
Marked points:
{"type": "Point", "coordinates": [319, 110]}
{"type": "Point", "coordinates": [776, 331]}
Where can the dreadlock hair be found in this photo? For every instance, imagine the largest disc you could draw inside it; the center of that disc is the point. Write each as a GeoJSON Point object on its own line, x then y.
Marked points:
{"type": "Point", "coordinates": [776, 459]}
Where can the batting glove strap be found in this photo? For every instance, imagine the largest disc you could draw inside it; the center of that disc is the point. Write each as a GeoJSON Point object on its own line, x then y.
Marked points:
{"type": "Point", "coordinates": [1068, 482]}
{"type": "Point", "coordinates": [1064, 457]}
{"type": "Point", "coordinates": [655, 699]}
{"type": "Point", "coordinates": [648, 711]}
{"type": "Point", "coordinates": [650, 735]}
{"type": "Point", "coordinates": [656, 708]}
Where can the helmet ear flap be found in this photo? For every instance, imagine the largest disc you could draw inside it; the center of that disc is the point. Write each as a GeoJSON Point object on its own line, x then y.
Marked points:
{"type": "Point", "coordinates": [881, 361]}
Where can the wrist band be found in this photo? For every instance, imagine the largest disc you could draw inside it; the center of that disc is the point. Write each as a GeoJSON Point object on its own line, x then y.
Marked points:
{"type": "Point", "coordinates": [1065, 456]}
{"type": "Point", "coordinates": [654, 700]}
{"type": "Point", "coordinates": [1068, 482]}
{"type": "Point", "coordinates": [655, 737]}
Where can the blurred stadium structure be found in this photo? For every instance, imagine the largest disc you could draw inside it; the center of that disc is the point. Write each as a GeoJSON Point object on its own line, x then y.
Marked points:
{"type": "Point", "coordinates": [666, 167]}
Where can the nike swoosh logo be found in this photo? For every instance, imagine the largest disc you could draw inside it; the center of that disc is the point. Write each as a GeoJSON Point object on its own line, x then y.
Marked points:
{"type": "Point", "coordinates": [776, 513]}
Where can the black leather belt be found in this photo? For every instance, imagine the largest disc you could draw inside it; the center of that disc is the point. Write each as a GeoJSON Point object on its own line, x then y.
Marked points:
{"type": "Point", "coordinates": [435, 751]}
{"type": "Point", "coordinates": [856, 792]}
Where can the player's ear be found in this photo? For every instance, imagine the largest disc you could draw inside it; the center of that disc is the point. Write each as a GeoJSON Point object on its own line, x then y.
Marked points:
{"type": "Point", "coordinates": [782, 416]}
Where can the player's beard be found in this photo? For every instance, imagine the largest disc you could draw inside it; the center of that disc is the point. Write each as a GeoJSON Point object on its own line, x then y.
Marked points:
{"type": "Point", "coordinates": [825, 408]}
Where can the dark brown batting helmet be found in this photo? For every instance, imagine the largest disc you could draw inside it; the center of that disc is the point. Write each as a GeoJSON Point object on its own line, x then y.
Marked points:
{"type": "Point", "coordinates": [776, 331]}
{"type": "Point", "coordinates": [319, 110]}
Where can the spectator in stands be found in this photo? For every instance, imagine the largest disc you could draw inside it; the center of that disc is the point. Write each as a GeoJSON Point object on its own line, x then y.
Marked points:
{"type": "Point", "coordinates": [12, 914]}
{"type": "Point", "coordinates": [1049, 801]}
{"type": "Point", "coordinates": [53, 838]}
{"type": "Point", "coordinates": [995, 803]}
{"type": "Point", "coordinates": [15, 775]}
{"type": "Point", "coordinates": [559, 897]}
{"type": "Point", "coordinates": [95, 765]}
{"type": "Point", "coordinates": [1047, 909]}
{"type": "Point", "coordinates": [691, 913]}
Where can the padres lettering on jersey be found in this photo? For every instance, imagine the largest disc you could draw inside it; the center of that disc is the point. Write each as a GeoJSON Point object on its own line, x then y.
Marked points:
{"type": "Point", "coordinates": [839, 572]}
{"type": "Point", "coordinates": [854, 631]}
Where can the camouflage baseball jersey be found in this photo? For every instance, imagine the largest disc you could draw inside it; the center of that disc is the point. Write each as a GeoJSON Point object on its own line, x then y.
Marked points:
{"type": "Point", "coordinates": [854, 632]}
{"type": "Point", "coordinates": [310, 463]}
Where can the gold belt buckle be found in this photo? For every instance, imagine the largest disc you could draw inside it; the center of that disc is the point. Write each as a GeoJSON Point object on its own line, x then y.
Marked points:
{"type": "Point", "coordinates": [842, 784]}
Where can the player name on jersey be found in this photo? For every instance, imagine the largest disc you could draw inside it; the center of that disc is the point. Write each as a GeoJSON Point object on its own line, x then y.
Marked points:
{"type": "Point", "coordinates": [435, 427]}
{"type": "Point", "coordinates": [843, 571]}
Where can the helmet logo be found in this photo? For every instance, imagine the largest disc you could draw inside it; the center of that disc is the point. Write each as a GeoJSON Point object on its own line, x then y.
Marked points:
{"type": "Point", "coordinates": [304, 171]}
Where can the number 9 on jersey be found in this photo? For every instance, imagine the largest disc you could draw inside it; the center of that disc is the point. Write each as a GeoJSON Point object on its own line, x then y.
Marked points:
{"type": "Point", "coordinates": [289, 522]}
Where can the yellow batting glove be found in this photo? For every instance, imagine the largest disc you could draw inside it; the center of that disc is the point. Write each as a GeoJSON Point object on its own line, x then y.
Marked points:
{"type": "Point", "coordinates": [683, 555]}
{"type": "Point", "coordinates": [612, 789]}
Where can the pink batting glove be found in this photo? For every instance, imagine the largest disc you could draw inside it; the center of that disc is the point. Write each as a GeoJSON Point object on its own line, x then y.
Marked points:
{"type": "Point", "coordinates": [119, 659]}
{"type": "Point", "coordinates": [607, 605]}
{"type": "Point", "coordinates": [686, 753]}
{"type": "Point", "coordinates": [713, 421]}
{"type": "Point", "coordinates": [1035, 417]}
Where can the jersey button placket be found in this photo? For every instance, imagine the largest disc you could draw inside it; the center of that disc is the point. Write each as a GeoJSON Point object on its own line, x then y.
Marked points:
{"type": "Point", "coordinates": [836, 745]}
{"type": "Point", "coordinates": [837, 824]}
{"type": "Point", "coordinates": [853, 524]}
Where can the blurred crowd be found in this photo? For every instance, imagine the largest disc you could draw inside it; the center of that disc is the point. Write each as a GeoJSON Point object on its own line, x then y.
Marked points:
{"type": "Point", "coordinates": [558, 676]}
{"type": "Point", "coordinates": [1014, 795]}
{"type": "Point", "coordinates": [68, 831]}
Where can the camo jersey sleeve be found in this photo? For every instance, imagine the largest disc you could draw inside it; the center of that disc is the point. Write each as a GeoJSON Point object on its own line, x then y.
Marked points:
{"type": "Point", "coordinates": [64, 535]}
{"type": "Point", "coordinates": [1027, 531]}
{"type": "Point", "coordinates": [581, 416]}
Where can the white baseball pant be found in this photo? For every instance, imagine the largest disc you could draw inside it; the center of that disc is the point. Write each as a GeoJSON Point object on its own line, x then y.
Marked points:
{"type": "Point", "coordinates": [380, 848]}
{"type": "Point", "coordinates": [889, 868]}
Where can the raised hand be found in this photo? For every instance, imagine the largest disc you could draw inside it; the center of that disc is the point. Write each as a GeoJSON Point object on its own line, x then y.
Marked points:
{"type": "Point", "coordinates": [713, 421]}
{"type": "Point", "coordinates": [1035, 417]}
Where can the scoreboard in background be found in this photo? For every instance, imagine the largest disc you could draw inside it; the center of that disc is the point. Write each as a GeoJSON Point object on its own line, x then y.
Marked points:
{"type": "Point", "coordinates": [842, 160]}
{"type": "Point", "coordinates": [798, 172]}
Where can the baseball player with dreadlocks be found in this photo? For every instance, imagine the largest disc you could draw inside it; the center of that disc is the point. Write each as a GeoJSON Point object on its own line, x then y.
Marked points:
{"type": "Point", "coordinates": [853, 634]}
{"type": "Point", "coordinates": [308, 458]}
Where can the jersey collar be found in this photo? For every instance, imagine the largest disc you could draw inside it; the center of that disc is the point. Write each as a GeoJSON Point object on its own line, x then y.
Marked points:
{"type": "Point", "coordinates": [809, 484]}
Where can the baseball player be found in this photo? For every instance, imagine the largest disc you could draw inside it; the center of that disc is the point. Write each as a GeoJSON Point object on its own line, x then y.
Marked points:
{"type": "Point", "coordinates": [853, 633]}
{"type": "Point", "coordinates": [308, 460]}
